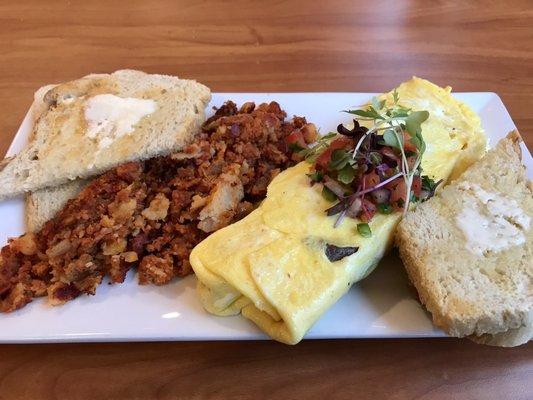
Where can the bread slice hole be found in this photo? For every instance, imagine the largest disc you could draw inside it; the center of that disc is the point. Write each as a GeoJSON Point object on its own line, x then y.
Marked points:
{"type": "Point", "coordinates": [25, 173]}
{"type": "Point", "coordinates": [484, 272]}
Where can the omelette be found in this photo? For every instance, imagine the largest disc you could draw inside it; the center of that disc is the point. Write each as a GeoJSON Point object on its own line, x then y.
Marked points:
{"type": "Point", "coordinates": [272, 267]}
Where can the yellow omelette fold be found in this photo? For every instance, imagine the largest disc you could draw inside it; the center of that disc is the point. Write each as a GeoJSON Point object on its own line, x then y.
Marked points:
{"type": "Point", "coordinates": [271, 265]}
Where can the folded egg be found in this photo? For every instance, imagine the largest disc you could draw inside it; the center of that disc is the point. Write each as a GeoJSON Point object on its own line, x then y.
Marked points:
{"type": "Point", "coordinates": [275, 266]}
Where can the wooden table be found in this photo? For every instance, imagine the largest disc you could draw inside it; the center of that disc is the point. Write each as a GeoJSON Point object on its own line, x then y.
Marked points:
{"type": "Point", "coordinates": [279, 46]}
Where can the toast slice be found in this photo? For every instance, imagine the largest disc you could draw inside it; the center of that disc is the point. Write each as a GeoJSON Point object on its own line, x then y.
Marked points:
{"type": "Point", "coordinates": [469, 250]}
{"type": "Point", "coordinates": [42, 205]}
{"type": "Point", "coordinates": [137, 116]}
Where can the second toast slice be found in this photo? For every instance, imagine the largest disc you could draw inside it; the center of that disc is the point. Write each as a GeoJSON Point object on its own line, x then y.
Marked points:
{"type": "Point", "coordinates": [469, 250]}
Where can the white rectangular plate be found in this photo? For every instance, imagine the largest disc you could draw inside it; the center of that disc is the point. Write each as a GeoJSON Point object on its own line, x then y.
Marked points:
{"type": "Point", "coordinates": [383, 305]}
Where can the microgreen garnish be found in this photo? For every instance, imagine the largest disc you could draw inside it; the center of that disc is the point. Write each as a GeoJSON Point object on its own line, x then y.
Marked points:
{"type": "Point", "coordinates": [373, 168]}
{"type": "Point", "coordinates": [322, 144]}
{"type": "Point", "coordinates": [364, 230]}
{"type": "Point", "coordinates": [398, 120]}
{"type": "Point", "coordinates": [346, 175]}
{"type": "Point", "coordinates": [395, 96]}
{"type": "Point", "coordinates": [339, 159]}
{"type": "Point", "coordinates": [328, 194]}
{"type": "Point", "coordinates": [391, 139]}
{"type": "Point", "coordinates": [315, 176]}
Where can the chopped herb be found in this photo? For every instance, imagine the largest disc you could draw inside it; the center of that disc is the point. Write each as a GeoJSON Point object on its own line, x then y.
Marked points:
{"type": "Point", "coordinates": [316, 176]}
{"type": "Point", "coordinates": [339, 159]}
{"type": "Point", "coordinates": [364, 230]}
{"type": "Point", "coordinates": [336, 253]}
{"type": "Point", "coordinates": [429, 184]}
{"type": "Point", "coordinates": [384, 208]}
{"type": "Point", "coordinates": [346, 175]}
{"type": "Point", "coordinates": [328, 194]}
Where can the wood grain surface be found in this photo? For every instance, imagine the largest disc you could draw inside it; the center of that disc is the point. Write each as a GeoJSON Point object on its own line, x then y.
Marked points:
{"type": "Point", "coordinates": [270, 46]}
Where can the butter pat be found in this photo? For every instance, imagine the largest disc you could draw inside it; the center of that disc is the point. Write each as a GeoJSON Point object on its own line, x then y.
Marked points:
{"type": "Point", "coordinates": [110, 117]}
{"type": "Point", "coordinates": [491, 222]}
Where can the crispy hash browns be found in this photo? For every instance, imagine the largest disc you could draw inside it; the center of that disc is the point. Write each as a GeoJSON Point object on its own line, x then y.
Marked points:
{"type": "Point", "coordinates": [150, 215]}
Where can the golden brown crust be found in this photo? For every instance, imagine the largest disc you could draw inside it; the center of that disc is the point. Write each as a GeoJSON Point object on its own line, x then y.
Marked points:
{"type": "Point", "coordinates": [515, 138]}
